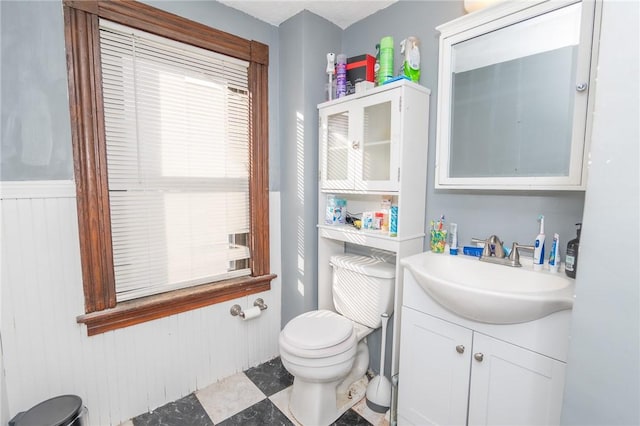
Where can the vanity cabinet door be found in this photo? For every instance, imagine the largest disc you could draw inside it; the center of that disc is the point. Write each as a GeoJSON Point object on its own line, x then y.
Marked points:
{"type": "Point", "coordinates": [359, 144]}
{"type": "Point", "coordinates": [511, 385]}
{"type": "Point", "coordinates": [434, 371]}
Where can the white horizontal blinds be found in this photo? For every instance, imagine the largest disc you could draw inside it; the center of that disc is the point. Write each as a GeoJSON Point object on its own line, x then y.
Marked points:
{"type": "Point", "coordinates": [177, 131]}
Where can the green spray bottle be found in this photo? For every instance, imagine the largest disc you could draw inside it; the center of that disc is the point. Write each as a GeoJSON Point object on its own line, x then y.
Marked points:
{"type": "Point", "coordinates": [411, 65]}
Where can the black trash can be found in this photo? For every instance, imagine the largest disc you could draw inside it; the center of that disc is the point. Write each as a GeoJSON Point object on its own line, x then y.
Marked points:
{"type": "Point", "coordinates": [64, 410]}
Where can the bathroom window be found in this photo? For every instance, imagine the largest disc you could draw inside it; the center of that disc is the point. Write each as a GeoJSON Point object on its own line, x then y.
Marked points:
{"type": "Point", "coordinates": [170, 143]}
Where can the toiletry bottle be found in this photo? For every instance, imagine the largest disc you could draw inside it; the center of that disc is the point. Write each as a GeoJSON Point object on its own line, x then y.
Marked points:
{"type": "Point", "coordinates": [341, 76]}
{"type": "Point", "coordinates": [386, 60]}
{"type": "Point", "coordinates": [453, 239]}
{"type": "Point", "coordinates": [538, 251]}
{"type": "Point", "coordinates": [411, 65]}
{"type": "Point", "coordinates": [393, 221]}
{"type": "Point", "coordinates": [554, 254]}
{"type": "Point", "coordinates": [376, 67]}
{"type": "Point", "coordinates": [571, 259]}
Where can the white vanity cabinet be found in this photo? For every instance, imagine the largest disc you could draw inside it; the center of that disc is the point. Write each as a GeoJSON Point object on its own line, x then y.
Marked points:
{"type": "Point", "coordinates": [515, 96]}
{"type": "Point", "coordinates": [373, 146]}
{"type": "Point", "coordinates": [457, 372]}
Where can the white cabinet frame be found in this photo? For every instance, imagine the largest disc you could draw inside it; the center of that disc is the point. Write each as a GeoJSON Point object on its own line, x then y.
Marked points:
{"type": "Point", "coordinates": [494, 18]}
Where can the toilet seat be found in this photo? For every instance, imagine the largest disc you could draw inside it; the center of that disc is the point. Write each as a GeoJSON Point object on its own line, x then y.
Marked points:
{"type": "Point", "coordinates": [318, 334]}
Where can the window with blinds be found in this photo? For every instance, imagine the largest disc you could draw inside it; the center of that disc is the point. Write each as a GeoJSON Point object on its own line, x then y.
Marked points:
{"type": "Point", "coordinates": [177, 136]}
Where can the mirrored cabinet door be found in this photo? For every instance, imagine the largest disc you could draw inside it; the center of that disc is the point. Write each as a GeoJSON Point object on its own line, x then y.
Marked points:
{"type": "Point", "coordinates": [514, 90]}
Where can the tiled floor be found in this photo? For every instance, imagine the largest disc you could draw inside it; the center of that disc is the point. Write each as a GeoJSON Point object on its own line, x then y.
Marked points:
{"type": "Point", "coordinates": [258, 396]}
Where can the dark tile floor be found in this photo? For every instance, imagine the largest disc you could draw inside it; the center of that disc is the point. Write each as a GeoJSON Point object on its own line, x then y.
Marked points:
{"type": "Point", "coordinates": [251, 398]}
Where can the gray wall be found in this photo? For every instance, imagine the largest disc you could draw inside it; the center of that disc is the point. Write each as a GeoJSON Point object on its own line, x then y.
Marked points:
{"type": "Point", "coordinates": [302, 73]}
{"type": "Point", "coordinates": [510, 215]}
{"type": "Point", "coordinates": [36, 134]}
{"type": "Point", "coordinates": [603, 368]}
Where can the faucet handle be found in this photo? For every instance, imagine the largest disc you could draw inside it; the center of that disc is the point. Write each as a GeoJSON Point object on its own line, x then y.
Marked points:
{"type": "Point", "coordinates": [514, 256]}
{"type": "Point", "coordinates": [492, 246]}
{"type": "Point", "coordinates": [486, 251]}
{"type": "Point", "coordinates": [496, 246]}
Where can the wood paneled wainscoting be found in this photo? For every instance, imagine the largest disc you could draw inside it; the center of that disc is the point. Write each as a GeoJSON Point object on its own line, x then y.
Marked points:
{"type": "Point", "coordinates": [118, 374]}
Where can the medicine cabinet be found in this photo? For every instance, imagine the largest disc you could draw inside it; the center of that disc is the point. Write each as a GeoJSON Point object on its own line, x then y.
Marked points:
{"type": "Point", "coordinates": [514, 94]}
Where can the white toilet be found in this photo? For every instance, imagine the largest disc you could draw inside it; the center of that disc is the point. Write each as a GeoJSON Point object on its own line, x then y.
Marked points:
{"type": "Point", "coordinates": [325, 351]}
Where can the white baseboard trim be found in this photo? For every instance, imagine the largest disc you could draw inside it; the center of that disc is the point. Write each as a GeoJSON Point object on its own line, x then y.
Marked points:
{"type": "Point", "coordinates": [38, 189]}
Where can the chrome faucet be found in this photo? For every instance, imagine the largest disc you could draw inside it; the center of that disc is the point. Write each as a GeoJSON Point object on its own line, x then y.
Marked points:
{"type": "Point", "coordinates": [492, 247]}
{"type": "Point", "coordinates": [493, 251]}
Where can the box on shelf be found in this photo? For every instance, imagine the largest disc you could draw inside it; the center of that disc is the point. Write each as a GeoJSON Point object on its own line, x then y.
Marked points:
{"type": "Point", "coordinates": [359, 68]}
{"type": "Point", "coordinates": [336, 213]}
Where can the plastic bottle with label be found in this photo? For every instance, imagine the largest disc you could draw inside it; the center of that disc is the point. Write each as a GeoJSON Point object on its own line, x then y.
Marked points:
{"type": "Point", "coordinates": [341, 76]}
{"type": "Point", "coordinates": [571, 259]}
{"type": "Point", "coordinates": [386, 60]}
{"type": "Point", "coordinates": [376, 67]}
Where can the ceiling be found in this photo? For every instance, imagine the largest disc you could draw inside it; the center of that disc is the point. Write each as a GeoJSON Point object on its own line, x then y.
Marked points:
{"type": "Point", "coordinates": [341, 12]}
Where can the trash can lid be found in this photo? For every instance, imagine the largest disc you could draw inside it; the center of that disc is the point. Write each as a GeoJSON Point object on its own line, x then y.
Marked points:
{"type": "Point", "coordinates": [58, 411]}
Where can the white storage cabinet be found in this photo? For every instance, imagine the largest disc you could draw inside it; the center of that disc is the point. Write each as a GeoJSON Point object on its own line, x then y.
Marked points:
{"type": "Point", "coordinates": [373, 145]}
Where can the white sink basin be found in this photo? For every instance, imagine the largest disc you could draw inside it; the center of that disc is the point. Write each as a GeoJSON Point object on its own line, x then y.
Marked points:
{"type": "Point", "coordinates": [491, 293]}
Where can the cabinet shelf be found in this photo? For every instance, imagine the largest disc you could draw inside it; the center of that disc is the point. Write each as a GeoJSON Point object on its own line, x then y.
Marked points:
{"type": "Point", "coordinates": [376, 239]}
{"type": "Point", "coordinates": [378, 143]}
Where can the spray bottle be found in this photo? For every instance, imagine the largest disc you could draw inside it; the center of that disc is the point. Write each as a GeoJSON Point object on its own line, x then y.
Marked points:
{"type": "Point", "coordinates": [411, 65]}
{"type": "Point", "coordinates": [331, 70]}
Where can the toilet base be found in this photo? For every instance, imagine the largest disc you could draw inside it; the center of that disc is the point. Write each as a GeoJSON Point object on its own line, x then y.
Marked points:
{"type": "Point", "coordinates": [327, 407]}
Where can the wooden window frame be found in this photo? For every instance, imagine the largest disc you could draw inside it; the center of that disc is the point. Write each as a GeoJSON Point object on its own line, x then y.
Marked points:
{"type": "Point", "coordinates": [81, 21]}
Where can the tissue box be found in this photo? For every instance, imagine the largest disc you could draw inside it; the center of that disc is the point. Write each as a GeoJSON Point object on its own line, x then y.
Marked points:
{"type": "Point", "coordinates": [336, 212]}
{"type": "Point", "coordinates": [360, 68]}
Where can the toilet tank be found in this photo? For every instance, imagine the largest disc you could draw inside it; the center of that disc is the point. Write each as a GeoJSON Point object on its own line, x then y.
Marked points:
{"type": "Point", "coordinates": [363, 288]}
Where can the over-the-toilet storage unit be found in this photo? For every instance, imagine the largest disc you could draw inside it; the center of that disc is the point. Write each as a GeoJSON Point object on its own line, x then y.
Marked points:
{"type": "Point", "coordinates": [373, 145]}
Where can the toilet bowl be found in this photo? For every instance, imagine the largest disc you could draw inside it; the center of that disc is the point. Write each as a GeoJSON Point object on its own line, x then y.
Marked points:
{"type": "Point", "coordinates": [320, 349]}
{"type": "Point", "coordinates": [325, 351]}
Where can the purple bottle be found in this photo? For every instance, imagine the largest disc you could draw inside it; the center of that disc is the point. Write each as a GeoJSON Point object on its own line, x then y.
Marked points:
{"type": "Point", "coordinates": [341, 76]}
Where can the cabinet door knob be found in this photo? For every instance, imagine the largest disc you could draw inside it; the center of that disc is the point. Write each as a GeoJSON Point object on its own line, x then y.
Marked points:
{"type": "Point", "coordinates": [581, 87]}
{"type": "Point", "coordinates": [478, 356]}
{"type": "Point", "coordinates": [460, 349]}
{"type": "Point", "coordinates": [355, 144]}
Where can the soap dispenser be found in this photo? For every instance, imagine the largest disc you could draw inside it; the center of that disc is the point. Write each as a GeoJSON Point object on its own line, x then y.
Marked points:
{"type": "Point", "coordinates": [571, 260]}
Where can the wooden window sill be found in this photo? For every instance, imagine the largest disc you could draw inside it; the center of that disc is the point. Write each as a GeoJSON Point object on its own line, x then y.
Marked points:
{"type": "Point", "coordinates": [174, 302]}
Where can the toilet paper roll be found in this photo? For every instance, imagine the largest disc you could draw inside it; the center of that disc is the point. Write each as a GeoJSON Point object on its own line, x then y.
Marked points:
{"type": "Point", "coordinates": [251, 313]}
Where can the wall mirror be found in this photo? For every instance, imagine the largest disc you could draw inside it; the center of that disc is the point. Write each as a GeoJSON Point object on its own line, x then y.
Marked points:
{"type": "Point", "coordinates": [514, 89]}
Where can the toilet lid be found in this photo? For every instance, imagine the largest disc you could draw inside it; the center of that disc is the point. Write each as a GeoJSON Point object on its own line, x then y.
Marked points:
{"type": "Point", "coordinates": [317, 330]}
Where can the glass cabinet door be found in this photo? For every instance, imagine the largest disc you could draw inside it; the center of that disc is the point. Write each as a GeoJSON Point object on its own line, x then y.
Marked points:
{"type": "Point", "coordinates": [338, 147]}
{"type": "Point", "coordinates": [376, 160]}
{"type": "Point", "coordinates": [336, 144]}
{"type": "Point", "coordinates": [376, 142]}
{"type": "Point", "coordinates": [359, 144]}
